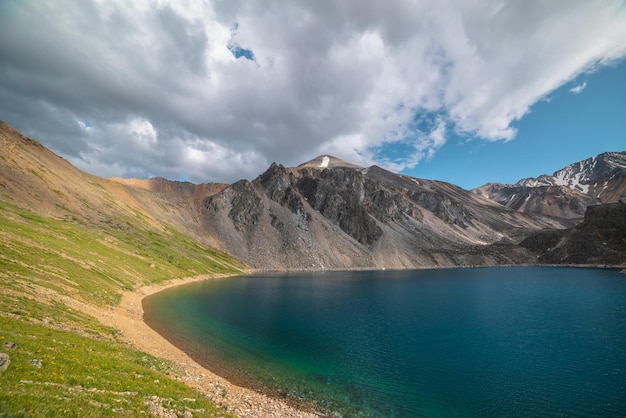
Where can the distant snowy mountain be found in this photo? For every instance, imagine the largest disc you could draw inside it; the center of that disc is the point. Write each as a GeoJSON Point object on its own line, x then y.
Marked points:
{"type": "Point", "coordinates": [567, 192]}
{"type": "Point", "coordinates": [596, 176]}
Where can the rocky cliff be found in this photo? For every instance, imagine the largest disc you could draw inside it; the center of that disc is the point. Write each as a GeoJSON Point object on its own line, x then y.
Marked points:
{"type": "Point", "coordinates": [599, 240]}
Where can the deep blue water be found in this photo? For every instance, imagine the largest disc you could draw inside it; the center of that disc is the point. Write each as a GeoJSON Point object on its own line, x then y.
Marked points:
{"type": "Point", "coordinates": [525, 341]}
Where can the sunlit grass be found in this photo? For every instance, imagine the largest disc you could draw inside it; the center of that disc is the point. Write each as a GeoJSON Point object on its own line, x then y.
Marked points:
{"type": "Point", "coordinates": [93, 265]}
{"type": "Point", "coordinates": [80, 376]}
{"type": "Point", "coordinates": [86, 370]}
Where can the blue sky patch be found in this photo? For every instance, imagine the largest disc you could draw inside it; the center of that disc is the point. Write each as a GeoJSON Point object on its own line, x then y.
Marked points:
{"type": "Point", "coordinates": [239, 52]}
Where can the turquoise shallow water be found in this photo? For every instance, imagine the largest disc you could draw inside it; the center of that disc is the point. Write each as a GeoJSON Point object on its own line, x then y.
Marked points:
{"type": "Point", "coordinates": [525, 341]}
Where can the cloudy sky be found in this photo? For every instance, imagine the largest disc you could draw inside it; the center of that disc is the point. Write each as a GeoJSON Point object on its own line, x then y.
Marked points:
{"type": "Point", "coordinates": [461, 90]}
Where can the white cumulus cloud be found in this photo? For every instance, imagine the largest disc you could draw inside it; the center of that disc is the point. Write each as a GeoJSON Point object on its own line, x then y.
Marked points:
{"type": "Point", "coordinates": [216, 90]}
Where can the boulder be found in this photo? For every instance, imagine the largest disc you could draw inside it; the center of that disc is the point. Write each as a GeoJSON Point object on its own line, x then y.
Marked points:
{"type": "Point", "coordinates": [4, 362]}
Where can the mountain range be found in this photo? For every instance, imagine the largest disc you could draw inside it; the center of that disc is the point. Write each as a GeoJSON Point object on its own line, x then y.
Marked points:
{"type": "Point", "coordinates": [569, 191]}
{"type": "Point", "coordinates": [331, 214]}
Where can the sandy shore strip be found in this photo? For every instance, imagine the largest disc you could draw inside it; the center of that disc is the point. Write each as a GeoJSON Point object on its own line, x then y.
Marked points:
{"type": "Point", "coordinates": [127, 317]}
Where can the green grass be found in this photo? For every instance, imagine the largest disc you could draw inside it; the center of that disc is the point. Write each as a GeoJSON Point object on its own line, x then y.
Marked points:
{"type": "Point", "coordinates": [93, 264]}
{"type": "Point", "coordinates": [85, 377]}
{"type": "Point", "coordinates": [87, 370]}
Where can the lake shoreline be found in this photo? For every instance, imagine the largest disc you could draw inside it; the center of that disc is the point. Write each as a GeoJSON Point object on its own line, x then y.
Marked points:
{"type": "Point", "coordinates": [237, 396]}
{"type": "Point", "coordinates": [127, 317]}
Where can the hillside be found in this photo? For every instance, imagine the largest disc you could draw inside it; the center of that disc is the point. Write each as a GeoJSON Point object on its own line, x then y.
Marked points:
{"type": "Point", "coordinates": [599, 240]}
{"type": "Point", "coordinates": [173, 188]}
{"type": "Point", "coordinates": [70, 243]}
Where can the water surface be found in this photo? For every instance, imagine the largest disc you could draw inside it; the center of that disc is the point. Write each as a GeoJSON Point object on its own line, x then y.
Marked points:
{"type": "Point", "coordinates": [454, 342]}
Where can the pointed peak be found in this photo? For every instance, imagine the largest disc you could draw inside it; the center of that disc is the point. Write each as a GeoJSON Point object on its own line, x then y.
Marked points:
{"type": "Point", "coordinates": [328, 161]}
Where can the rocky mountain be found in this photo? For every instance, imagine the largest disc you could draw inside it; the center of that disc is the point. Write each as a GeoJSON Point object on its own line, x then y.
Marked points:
{"type": "Point", "coordinates": [599, 240]}
{"type": "Point", "coordinates": [568, 192]}
{"type": "Point", "coordinates": [323, 214]}
{"type": "Point", "coordinates": [327, 213]}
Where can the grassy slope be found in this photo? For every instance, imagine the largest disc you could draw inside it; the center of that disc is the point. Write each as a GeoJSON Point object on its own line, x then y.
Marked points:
{"type": "Point", "coordinates": [85, 368]}
{"type": "Point", "coordinates": [87, 376]}
{"type": "Point", "coordinates": [69, 238]}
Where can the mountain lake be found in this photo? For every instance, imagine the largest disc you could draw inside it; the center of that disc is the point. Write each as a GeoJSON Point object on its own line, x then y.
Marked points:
{"type": "Point", "coordinates": [507, 341]}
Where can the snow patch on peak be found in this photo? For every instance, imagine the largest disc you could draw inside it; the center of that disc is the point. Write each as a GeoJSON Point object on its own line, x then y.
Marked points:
{"type": "Point", "coordinates": [325, 161]}
{"type": "Point", "coordinates": [534, 182]}
{"type": "Point", "coordinates": [569, 178]}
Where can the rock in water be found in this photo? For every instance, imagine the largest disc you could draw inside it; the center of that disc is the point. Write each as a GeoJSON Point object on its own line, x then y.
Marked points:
{"type": "Point", "coordinates": [4, 362]}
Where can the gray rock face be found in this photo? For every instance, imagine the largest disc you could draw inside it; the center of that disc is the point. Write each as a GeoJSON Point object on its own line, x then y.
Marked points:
{"type": "Point", "coordinates": [340, 195]}
{"type": "Point", "coordinates": [599, 240]}
{"type": "Point", "coordinates": [244, 206]}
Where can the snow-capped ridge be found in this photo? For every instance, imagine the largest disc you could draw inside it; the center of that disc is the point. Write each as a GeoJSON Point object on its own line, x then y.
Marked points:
{"type": "Point", "coordinates": [567, 192]}
{"type": "Point", "coordinates": [582, 176]}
